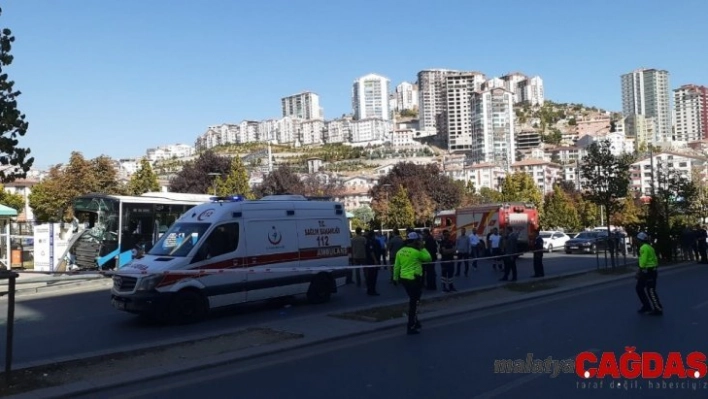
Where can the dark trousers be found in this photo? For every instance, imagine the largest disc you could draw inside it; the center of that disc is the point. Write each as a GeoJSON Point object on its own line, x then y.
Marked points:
{"type": "Point", "coordinates": [414, 289]}
{"type": "Point", "coordinates": [687, 252]}
{"type": "Point", "coordinates": [702, 249]}
{"type": "Point", "coordinates": [646, 290]}
{"type": "Point", "coordinates": [371, 274]}
{"type": "Point", "coordinates": [430, 276]}
{"type": "Point", "coordinates": [538, 264]}
{"type": "Point", "coordinates": [447, 271]}
{"type": "Point", "coordinates": [509, 266]}
{"type": "Point", "coordinates": [463, 258]}
{"type": "Point", "coordinates": [474, 254]}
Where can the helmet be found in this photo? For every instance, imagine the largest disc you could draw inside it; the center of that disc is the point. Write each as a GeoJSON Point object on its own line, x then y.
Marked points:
{"type": "Point", "coordinates": [643, 236]}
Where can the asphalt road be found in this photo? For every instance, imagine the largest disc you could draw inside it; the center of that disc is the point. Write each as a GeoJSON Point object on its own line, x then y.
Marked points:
{"type": "Point", "coordinates": [454, 358]}
{"type": "Point", "coordinates": [81, 323]}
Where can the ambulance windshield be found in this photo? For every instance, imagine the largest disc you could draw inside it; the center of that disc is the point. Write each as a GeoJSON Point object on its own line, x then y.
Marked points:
{"type": "Point", "coordinates": [179, 239]}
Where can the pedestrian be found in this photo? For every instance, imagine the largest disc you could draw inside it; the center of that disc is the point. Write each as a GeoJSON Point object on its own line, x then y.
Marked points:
{"type": "Point", "coordinates": [475, 244]}
{"type": "Point", "coordinates": [538, 249]}
{"type": "Point", "coordinates": [701, 237]}
{"type": "Point", "coordinates": [687, 240]}
{"type": "Point", "coordinates": [429, 273]}
{"type": "Point", "coordinates": [373, 256]}
{"type": "Point", "coordinates": [358, 254]}
{"type": "Point", "coordinates": [408, 269]}
{"type": "Point", "coordinates": [394, 245]}
{"type": "Point", "coordinates": [463, 252]}
{"type": "Point", "coordinates": [646, 277]}
{"type": "Point", "coordinates": [510, 248]}
{"type": "Point", "coordinates": [447, 262]}
{"type": "Point", "coordinates": [495, 248]}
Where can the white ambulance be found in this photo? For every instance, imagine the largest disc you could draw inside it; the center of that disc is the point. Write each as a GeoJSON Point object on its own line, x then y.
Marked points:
{"type": "Point", "coordinates": [231, 251]}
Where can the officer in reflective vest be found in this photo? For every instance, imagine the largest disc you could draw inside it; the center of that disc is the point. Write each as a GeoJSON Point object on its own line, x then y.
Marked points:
{"type": "Point", "coordinates": [646, 277]}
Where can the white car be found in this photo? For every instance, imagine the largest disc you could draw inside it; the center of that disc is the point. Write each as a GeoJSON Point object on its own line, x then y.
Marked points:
{"type": "Point", "coordinates": [553, 240]}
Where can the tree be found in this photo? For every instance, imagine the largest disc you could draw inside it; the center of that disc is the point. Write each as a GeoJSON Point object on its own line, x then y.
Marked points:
{"type": "Point", "coordinates": [198, 176]}
{"type": "Point", "coordinates": [236, 182]}
{"type": "Point", "coordinates": [629, 215]}
{"type": "Point", "coordinates": [607, 177]}
{"type": "Point", "coordinates": [51, 198]}
{"type": "Point", "coordinates": [280, 181]}
{"type": "Point", "coordinates": [14, 201]}
{"type": "Point", "coordinates": [559, 211]}
{"type": "Point", "coordinates": [13, 125]}
{"type": "Point", "coordinates": [428, 190]}
{"type": "Point", "coordinates": [144, 180]}
{"type": "Point", "coordinates": [362, 217]}
{"type": "Point", "coordinates": [320, 185]}
{"type": "Point", "coordinates": [489, 196]}
{"type": "Point", "coordinates": [400, 212]}
{"type": "Point", "coordinates": [520, 187]}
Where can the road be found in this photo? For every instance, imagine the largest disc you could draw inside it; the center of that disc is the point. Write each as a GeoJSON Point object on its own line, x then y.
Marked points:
{"type": "Point", "coordinates": [81, 323]}
{"type": "Point", "coordinates": [454, 357]}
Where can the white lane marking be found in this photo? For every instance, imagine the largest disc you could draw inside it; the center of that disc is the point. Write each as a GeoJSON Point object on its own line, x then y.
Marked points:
{"type": "Point", "coordinates": [700, 305]}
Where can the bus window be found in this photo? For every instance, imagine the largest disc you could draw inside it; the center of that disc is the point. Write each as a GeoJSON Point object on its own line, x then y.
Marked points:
{"type": "Point", "coordinates": [138, 226]}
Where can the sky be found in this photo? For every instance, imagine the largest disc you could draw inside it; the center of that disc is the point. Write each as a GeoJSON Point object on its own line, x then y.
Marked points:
{"type": "Point", "coordinates": [118, 77]}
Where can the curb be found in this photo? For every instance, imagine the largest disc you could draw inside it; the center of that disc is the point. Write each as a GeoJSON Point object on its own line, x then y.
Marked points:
{"type": "Point", "coordinates": [88, 386]}
{"type": "Point", "coordinates": [58, 286]}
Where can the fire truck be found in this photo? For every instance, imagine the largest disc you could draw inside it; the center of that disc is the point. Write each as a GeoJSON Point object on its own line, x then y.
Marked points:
{"type": "Point", "coordinates": [482, 219]}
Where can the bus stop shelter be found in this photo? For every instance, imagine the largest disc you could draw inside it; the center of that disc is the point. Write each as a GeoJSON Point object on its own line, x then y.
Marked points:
{"type": "Point", "coordinates": [6, 216]}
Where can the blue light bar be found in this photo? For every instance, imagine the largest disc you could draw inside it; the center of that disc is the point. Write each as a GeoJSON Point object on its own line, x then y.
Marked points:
{"type": "Point", "coordinates": [229, 198]}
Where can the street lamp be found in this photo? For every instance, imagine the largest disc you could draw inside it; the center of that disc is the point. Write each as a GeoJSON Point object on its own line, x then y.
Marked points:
{"type": "Point", "coordinates": [214, 175]}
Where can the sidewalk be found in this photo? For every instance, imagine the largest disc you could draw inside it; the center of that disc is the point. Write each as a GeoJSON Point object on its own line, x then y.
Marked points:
{"type": "Point", "coordinates": [34, 282]}
{"type": "Point", "coordinates": [315, 329]}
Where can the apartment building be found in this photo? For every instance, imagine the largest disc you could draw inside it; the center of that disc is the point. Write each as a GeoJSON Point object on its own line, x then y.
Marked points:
{"type": "Point", "coordinates": [643, 174]}
{"type": "Point", "coordinates": [459, 88]}
{"type": "Point", "coordinates": [493, 139]}
{"type": "Point", "coordinates": [691, 113]}
{"type": "Point", "coordinates": [545, 174]}
{"type": "Point", "coordinates": [646, 92]}
{"type": "Point", "coordinates": [305, 105]}
{"type": "Point", "coordinates": [370, 97]}
{"type": "Point", "coordinates": [432, 98]}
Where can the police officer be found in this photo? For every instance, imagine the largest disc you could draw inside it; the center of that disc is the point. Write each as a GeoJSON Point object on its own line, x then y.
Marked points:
{"type": "Point", "coordinates": [538, 248]}
{"type": "Point", "coordinates": [646, 277]}
{"type": "Point", "coordinates": [408, 269]}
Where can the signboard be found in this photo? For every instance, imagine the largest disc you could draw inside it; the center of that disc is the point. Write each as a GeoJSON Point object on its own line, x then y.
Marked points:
{"type": "Point", "coordinates": [50, 243]}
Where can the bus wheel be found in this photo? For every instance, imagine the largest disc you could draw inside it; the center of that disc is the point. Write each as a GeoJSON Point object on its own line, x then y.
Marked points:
{"type": "Point", "coordinates": [320, 290]}
{"type": "Point", "coordinates": [188, 306]}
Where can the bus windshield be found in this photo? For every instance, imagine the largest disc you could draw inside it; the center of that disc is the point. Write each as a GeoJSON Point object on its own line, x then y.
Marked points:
{"type": "Point", "coordinates": [98, 215]}
{"type": "Point", "coordinates": [179, 239]}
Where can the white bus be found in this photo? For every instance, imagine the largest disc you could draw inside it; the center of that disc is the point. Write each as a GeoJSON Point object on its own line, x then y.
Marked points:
{"type": "Point", "coordinates": [108, 229]}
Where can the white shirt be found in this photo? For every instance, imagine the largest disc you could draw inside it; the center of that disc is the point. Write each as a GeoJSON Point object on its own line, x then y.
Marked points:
{"type": "Point", "coordinates": [474, 240]}
{"type": "Point", "coordinates": [495, 239]}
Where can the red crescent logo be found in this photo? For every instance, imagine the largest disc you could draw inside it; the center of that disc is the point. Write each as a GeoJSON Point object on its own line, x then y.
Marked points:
{"type": "Point", "coordinates": [205, 215]}
{"type": "Point", "coordinates": [274, 236]}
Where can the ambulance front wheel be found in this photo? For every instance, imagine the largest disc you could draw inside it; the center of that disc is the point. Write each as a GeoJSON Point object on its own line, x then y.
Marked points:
{"type": "Point", "coordinates": [188, 306]}
{"type": "Point", "coordinates": [320, 290]}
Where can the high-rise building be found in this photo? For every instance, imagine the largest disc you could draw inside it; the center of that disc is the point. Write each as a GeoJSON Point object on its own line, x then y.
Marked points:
{"type": "Point", "coordinates": [691, 113]}
{"type": "Point", "coordinates": [370, 97]}
{"type": "Point", "coordinates": [432, 98]}
{"type": "Point", "coordinates": [305, 105]}
{"type": "Point", "coordinates": [530, 91]}
{"type": "Point", "coordinates": [459, 87]}
{"type": "Point", "coordinates": [492, 114]}
{"type": "Point", "coordinates": [646, 92]}
{"type": "Point", "coordinates": [406, 97]}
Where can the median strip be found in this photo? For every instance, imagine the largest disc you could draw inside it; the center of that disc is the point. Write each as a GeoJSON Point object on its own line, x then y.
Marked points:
{"type": "Point", "coordinates": [33, 378]}
{"type": "Point", "coordinates": [475, 297]}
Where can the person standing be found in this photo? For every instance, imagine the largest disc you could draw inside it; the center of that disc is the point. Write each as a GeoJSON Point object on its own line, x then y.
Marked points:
{"type": "Point", "coordinates": [701, 237]}
{"type": "Point", "coordinates": [475, 244]}
{"type": "Point", "coordinates": [358, 253]}
{"type": "Point", "coordinates": [373, 256]}
{"type": "Point", "coordinates": [646, 277]}
{"type": "Point", "coordinates": [429, 268]}
{"type": "Point", "coordinates": [447, 262]}
{"type": "Point", "coordinates": [538, 249]}
{"type": "Point", "coordinates": [394, 245]}
{"type": "Point", "coordinates": [510, 248]}
{"type": "Point", "coordinates": [687, 240]}
{"type": "Point", "coordinates": [408, 269]}
{"type": "Point", "coordinates": [463, 252]}
{"type": "Point", "coordinates": [495, 248]}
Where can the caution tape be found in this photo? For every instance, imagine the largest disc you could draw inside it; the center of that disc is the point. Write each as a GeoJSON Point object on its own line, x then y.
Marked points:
{"type": "Point", "coordinates": [253, 270]}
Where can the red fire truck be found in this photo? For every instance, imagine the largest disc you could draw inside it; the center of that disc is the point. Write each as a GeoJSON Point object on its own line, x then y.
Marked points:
{"type": "Point", "coordinates": [481, 219]}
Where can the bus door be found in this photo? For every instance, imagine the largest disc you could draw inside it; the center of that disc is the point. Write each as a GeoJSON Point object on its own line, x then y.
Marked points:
{"type": "Point", "coordinates": [137, 233]}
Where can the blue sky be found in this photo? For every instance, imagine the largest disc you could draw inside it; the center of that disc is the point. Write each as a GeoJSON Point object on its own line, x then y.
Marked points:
{"type": "Point", "coordinates": [117, 77]}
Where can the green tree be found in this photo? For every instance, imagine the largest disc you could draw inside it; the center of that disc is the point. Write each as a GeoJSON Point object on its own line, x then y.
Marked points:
{"type": "Point", "coordinates": [589, 212]}
{"type": "Point", "coordinates": [49, 199]}
{"type": "Point", "coordinates": [489, 196]}
{"type": "Point", "coordinates": [401, 213]}
{"type": "Point", "coordinates": [13, 125]}
{"type": "Point", "coordinates": [607, 177]}
{"type": "Point", "coordinates": [14, 201]}
{"type": "Point", "coordinates": [559, 211]}
{"type": "Point", "coordinates": [629, 215]}
{"type": "Point", "coordinates": [236, 182]}
{"type": "Point", "coordinates": [363, 216]}
{"type": "Point", "coordinates": [144, 180]}
{"type": "Point", "coordinates": [520, 187]}
{"type": "Point", "coordinates": [105, 176]}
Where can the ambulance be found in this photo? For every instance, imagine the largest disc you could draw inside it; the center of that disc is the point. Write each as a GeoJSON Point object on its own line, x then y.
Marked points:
{"type": "Point", "coordinates": [231, 251]}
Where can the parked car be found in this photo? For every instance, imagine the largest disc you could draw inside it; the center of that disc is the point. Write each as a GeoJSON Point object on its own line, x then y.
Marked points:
{"type": "Point", "coordinates": [553, 240]}
{"type": "Point", "coordinates": [587, 242]}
